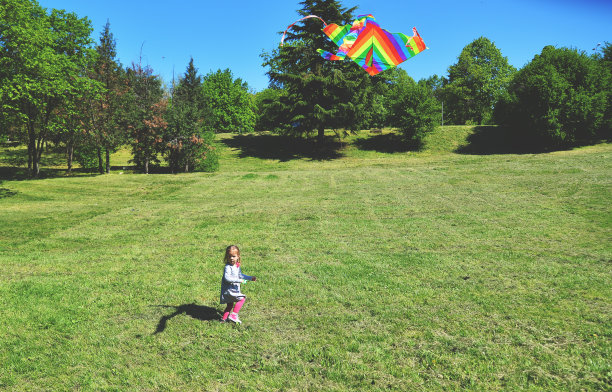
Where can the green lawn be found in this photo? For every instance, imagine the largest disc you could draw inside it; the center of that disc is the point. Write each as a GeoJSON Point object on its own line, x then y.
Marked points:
{"type": "Point", "coordinates": [458, 267]}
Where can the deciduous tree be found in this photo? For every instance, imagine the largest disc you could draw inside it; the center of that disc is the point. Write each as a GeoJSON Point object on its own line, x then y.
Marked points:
{"type": "Point", "coordinates": [42, 63]}
{"type": "Point", "coordinates": [228, 103]}
{"type": "Point", "coordinates": [559, 98]}
{"type": "Point", "coordinates": [476, 82]}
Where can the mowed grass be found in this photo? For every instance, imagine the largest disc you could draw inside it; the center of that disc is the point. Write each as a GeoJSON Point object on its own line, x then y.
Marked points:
{"type": "Point", "coordinates": [379, 268]}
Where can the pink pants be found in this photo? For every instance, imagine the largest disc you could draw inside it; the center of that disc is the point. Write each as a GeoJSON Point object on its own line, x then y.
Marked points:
{"type": "Point", "coordinates": [236, 306]}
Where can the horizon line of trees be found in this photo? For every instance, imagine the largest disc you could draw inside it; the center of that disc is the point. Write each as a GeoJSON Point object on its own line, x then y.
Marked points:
{"type": "Point", "coordinates": [57, 87]}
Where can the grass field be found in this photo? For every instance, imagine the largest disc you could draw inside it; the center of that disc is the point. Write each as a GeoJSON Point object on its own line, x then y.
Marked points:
{"type": "Point", "coordinates": [458, 267]}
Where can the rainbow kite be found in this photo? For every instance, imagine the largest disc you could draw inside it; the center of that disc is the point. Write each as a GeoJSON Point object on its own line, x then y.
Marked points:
{"type": "Point", "coordinates": [373, 48]}
{"type": "Point", "coordinates": [364, 42]}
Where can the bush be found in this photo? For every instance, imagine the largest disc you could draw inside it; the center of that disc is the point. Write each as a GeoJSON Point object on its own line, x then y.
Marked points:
{"type": "Point", "coordinates": [415, 111]}
{"type": "Point", "coordinates": [87, 156]}
{"type": "Point", "coordinates": [558, 99]}
{"type": "Point", "coordinates": [209, 161]}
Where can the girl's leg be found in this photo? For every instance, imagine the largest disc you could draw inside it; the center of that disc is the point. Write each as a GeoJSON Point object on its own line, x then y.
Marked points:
{"type": "Point", "coordinates": [227, 311]}
{"type": "Point", "coordinates": [239, 305]}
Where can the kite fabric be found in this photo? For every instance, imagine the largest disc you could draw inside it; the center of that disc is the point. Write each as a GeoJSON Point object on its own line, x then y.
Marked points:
{"type": "Point", "coordinates": [373, 48]}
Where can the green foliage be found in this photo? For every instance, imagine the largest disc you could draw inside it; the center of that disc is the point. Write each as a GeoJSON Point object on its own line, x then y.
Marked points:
{"type": "Point", "coordinates": [475, 83]}
{"type": "Point", "coordinates": [42, 64]}
{"type": "Point", "coordinates": [189, 89]}
{"type": "Point", "coordinates": [209, 156]}
{"type": "Point", "coordinates": [104, 110]}
{"type": "Point", "coordinates": [143, 113]}
{"type": "Point", "coordinates": [415, 110]}
{"type": "Point", "coordinates": [559, 98]}
{"type": "Point", "coordinates": [187, 145]}
{"type": "Point", "coordinates": [228, 103]}
{"type": "Point", "coordinates": [318, 94]}
{"type": "Point", "coordinates": [86, 154]}
{"type": "Point", "coordinates": [605, 61]}
{"type": "Point", "coordinates": [268, 108]}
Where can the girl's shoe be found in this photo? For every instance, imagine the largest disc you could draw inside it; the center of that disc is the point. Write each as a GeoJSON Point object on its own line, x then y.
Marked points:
{"type": "Point", "coordinates": [234, 317]}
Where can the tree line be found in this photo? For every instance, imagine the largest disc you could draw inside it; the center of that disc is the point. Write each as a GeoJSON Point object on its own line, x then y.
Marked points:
{"type": "Point", "coordinates": [562, 97]}
{"type": "Point", "coordinates": [59, 87]}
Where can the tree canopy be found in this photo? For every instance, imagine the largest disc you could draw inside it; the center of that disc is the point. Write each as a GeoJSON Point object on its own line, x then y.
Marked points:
{"type": "Point", "coordinates": [317, 94]}
{"type": "Point", "coordinates": [476, 82]}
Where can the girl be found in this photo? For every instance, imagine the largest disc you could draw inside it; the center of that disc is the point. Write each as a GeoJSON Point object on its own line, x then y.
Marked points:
{"type": "Point", "coordinates": [230, 284]}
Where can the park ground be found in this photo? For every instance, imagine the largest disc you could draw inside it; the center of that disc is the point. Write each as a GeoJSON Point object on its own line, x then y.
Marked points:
{"type": "Point", "coordinates": [465, 265]}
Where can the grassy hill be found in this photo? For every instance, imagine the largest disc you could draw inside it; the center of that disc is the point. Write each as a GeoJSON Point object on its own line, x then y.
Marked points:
{"type": "Point", "coordinates": [460, 266]}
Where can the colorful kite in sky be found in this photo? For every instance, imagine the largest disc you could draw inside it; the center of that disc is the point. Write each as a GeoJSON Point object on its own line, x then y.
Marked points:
{"type": "Point", "coordinates": [373, 48]}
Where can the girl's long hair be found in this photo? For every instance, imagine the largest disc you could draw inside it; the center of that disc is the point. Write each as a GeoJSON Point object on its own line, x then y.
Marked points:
{"type": "Point", "coordinates": [227, 254]}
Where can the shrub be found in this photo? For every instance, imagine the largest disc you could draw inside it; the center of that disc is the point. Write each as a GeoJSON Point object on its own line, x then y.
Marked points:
{"type": "Point", "coordinates": [209, 161]}
{"type": "Point", "coordinates": [415, 111]}
{"type": "Point", "coordinates": [559, 98]}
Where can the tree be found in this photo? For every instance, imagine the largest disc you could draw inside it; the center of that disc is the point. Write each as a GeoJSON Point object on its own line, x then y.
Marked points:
{"type": "Point", "coordinates": [104, 122]}
{"type": "Point", "coordinates": [228, 103]}
{"type": "Point", "coordinates": [267, 108]}
{"type": "Point", "coordinates": [605, 61]}
{"type": "Point", "coordinates": [415, 110]}
{"type": "Point", "coordinates": [42, 59]}
{"type": "Point", "coordinates": [476, 82]}
{"type": "Point", "coordinates": [189, 89]}
{"type": "Point", "coordinates": [559, 98]}
{"type": "Point", "coordinates": [143, 113]}
{"type": "Point", "coordinates": [187, 146]}
{"type": "Point", "coordinates": [319, 94]}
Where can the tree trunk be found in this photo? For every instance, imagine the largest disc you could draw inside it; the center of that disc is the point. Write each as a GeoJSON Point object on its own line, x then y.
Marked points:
{"type": "Point", "coordinates": [37, 154]}
{"type": "Point", "coordinates": [186, 167]}
{"type": "Point", "coordinates": [107, 161]}
{"type": "Point", "coordinates": [146, 166]}
{"type": "Point", "coordinates": [69, 155]}
{"type": "Point", "coordinates": [100, 168]}
{"type": "Point", "coordinates": [321, 134]}
{"type": "Point", "coordinates": [30, 158]}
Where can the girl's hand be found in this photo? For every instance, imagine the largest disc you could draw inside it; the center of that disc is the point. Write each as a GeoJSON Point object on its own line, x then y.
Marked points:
{"type": "Point", "coordinates": [253, 279]}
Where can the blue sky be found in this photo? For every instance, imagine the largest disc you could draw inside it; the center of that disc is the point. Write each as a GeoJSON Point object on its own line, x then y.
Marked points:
{"type": "Point", "coordinates": [233, 34]}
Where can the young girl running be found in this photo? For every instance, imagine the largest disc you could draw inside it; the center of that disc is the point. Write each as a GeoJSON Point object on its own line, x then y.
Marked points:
{"type": "Point", "coordinates": [230, 285]}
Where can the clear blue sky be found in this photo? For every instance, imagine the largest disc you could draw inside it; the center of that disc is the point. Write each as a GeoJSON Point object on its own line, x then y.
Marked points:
{"type": "Point", "coordinates": [233, 34]}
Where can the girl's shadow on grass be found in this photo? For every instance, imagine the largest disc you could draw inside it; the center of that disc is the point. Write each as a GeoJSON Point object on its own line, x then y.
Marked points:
{"type": "Point", "coordinates": [204, 313]}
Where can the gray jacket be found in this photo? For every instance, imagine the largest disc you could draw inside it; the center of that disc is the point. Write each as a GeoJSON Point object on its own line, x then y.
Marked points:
{"type": "Point", "coordinates": [230, 284]}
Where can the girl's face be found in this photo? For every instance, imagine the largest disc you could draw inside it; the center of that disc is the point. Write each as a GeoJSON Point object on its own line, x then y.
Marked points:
{"type": "Point", "coordinates": [233, 256]}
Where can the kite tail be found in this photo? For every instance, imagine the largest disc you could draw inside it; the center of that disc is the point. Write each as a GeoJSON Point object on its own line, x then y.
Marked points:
{"type": "Point", "coordinates": [330, 56]}
{"type": "Point", "coordinates": [291, 25]}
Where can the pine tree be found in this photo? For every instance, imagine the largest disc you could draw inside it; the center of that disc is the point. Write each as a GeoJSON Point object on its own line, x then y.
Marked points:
{"type": "Point", "coordinates": [319, 94]}
{"type": "Point", "coordinates": [143, 111]}
{"type": "Point", "coordinates": [104, 111]}
{"type": "Point", "coordinates": [186, 144]}
{"type": "Point", "coordinates": [189, 88]}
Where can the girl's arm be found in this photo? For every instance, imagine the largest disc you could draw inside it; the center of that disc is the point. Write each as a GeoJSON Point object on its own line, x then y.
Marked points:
{"type": "Point", "coordinates": [247, 277]}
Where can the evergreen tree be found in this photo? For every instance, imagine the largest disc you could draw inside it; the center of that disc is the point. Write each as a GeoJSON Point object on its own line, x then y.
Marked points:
{"type": "Point", "coordinates": [189, 88]}
{"type": "Point", "coordinates": [187, 146]}
{"type": "Point", "coordinates": [143, 114]}
{"type": "Point", "coordinates": [104, 110]}
{"type": "Point", "coordinates": [319, 94]}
